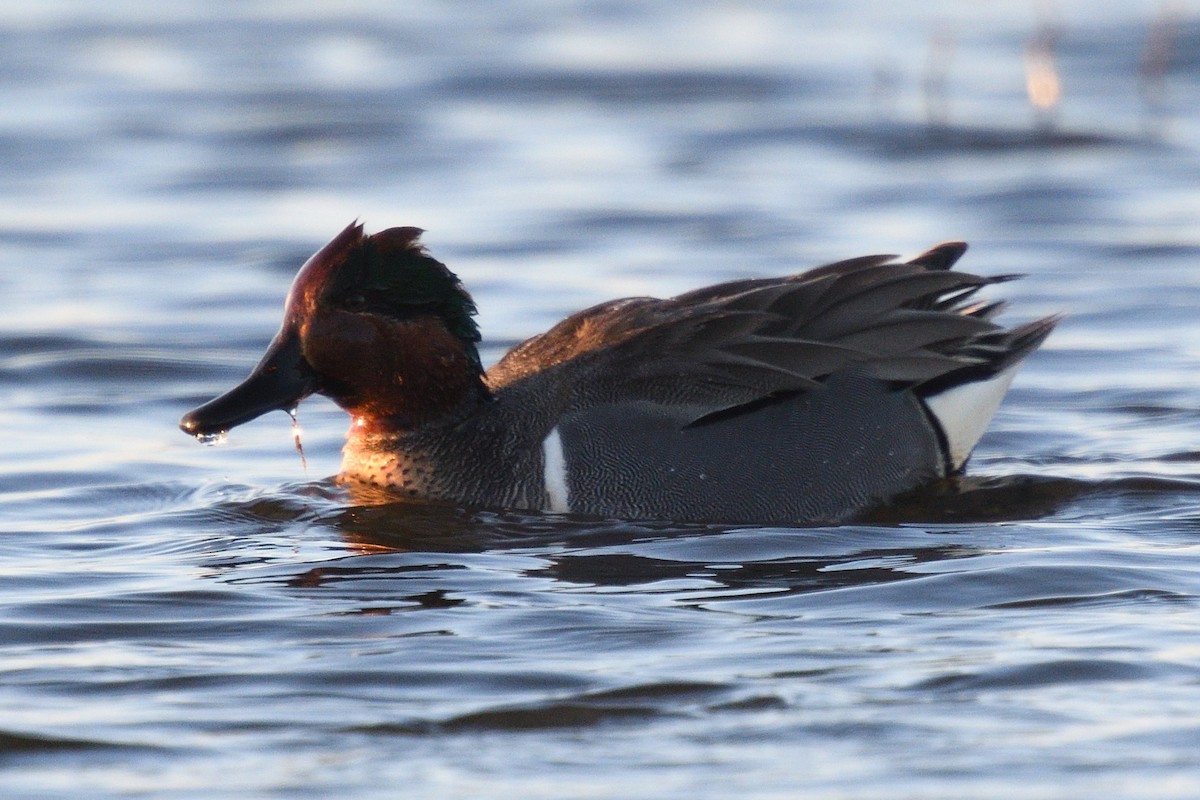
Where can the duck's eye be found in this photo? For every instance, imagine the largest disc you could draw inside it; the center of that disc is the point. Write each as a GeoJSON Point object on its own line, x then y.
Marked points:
{"type": "Point", "coordinates": [355, 302]}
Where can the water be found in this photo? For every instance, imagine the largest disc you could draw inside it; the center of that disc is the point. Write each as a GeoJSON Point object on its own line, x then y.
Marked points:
{"type": "Point", "coordinates": [181, 621]}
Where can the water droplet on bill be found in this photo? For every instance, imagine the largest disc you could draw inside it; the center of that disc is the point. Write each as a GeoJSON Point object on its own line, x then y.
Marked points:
{"type": "Point", "coordinates": [296, 438]}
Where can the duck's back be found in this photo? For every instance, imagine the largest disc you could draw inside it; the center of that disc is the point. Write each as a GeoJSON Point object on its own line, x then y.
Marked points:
{"type": "Point", "coordinates": [796, 399]}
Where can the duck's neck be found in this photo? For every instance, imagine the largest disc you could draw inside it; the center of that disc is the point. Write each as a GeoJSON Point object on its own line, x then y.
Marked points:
{"type": "Point", "coordinates": [406, 454]}
{"type": "Point", "coordinates": [398, 420]}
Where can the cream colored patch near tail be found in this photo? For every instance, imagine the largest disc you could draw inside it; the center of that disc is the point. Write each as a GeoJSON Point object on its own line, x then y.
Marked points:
{"type": "Point", "coordinates": [965, 411]}
{"type": "Point", "coordinates": [555, 473]}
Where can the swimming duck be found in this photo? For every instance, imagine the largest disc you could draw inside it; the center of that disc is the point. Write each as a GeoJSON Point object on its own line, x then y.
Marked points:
{"type": "Point", "coordinates": [796, 399]}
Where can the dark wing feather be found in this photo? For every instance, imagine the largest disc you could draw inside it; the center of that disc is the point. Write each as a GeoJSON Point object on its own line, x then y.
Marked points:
{"type": "Point", "coordinates": [736, 343]}
{"type": "Point", "coordinates": [940, 257]}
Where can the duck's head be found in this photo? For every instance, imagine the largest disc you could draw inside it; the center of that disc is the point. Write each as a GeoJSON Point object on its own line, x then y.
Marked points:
{"type": "Point", "coordinates": [373, 322]}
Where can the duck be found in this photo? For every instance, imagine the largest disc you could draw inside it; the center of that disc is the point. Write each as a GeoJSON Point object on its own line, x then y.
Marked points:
{"type": "Point", "coordinates": [804, 399]}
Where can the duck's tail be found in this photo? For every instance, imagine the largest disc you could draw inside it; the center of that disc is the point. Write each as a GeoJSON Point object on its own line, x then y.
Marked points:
{"type": "Point", "coordinates": [961, 404]}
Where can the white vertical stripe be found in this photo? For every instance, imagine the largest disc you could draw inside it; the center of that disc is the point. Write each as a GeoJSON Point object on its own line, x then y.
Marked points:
{"type": "Point", "coordinates": [965, 411]}
{"type": "Point", "coordinates": [555, 473]}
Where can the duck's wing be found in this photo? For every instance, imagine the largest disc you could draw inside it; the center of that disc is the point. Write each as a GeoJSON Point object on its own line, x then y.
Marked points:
{"type": "Point", "coordinates": [734, 344]}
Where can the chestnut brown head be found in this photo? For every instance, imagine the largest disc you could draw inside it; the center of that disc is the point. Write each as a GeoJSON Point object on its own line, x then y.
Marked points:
{"type": "Point", "coordinates": [373, 322]}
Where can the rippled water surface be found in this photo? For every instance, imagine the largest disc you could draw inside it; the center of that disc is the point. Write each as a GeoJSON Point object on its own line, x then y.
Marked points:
{"type": "Point", "coordinates": [180, 621]}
